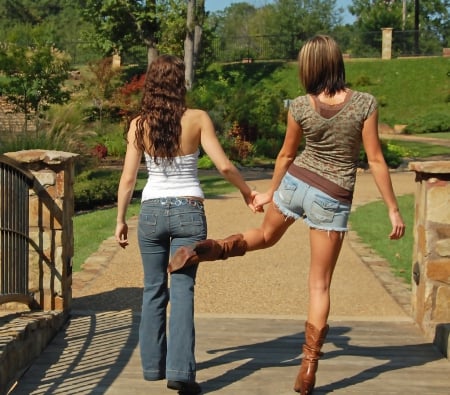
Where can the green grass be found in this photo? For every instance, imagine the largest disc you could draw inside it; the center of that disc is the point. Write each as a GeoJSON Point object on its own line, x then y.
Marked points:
{"type": "Point", "coordinates": [371, 223]}
{"type": "Point", "coordinates": [90, 229]}
{"type": "Point", "coordinates": [401, 97]}
{"type": "Point", "coordinates": [413, 149]}
{"type": "Point", "coordinates": [441, 135]}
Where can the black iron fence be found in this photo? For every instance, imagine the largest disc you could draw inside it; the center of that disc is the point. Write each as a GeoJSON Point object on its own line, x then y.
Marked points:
{"type": "Point", "coordinates": [14, 239]}
{"type": "Point", "coordinates": [356, 44]}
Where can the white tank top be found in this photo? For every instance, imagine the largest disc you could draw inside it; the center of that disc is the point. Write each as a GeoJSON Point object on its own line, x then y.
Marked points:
{"type": "Point", "coordinates": [180, 178]}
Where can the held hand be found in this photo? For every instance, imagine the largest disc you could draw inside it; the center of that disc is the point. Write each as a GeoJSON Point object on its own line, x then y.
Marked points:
{"type": "Point", "coordinates": [260, 200]}
{"type": "Point", "coordinates": [249, 201]}
{"type": "Point", "coordinates": [398, 226]}
{"type": "Point", "coordinates": [121, 234]}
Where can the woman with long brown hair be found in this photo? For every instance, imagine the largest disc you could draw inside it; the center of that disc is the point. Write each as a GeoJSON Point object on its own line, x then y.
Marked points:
{"type": "Point", "coordinates": [172, 215]}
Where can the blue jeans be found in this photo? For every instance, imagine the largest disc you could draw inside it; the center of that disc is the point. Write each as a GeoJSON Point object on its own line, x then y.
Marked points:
{"type": "Point", "coordinates": [296, 199]}
{"type": "Point", "coordinates": [164, 225]}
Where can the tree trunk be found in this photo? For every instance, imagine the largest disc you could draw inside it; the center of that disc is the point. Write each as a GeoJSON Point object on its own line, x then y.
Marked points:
{"type": "Point", "coordinates": [199, 20]}
{"type": "Point", "coordinates": [416, 26]}
{"type": "Point", "coordinates": [197, 43]}
{"type": "Point", "coordinates": [152, 54]}
{"type": "Point", "coordinates": [189, 43]}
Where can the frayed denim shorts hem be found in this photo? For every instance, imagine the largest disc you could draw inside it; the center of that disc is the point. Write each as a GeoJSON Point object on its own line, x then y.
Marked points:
{"type": "Point", "coordinates": [297, 199]}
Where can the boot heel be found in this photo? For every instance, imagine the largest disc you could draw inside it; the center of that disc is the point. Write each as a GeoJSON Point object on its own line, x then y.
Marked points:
{"type": "Point", "coordinates": [183, 257]}
{"type": "Point", "coordinates": [306, 378]}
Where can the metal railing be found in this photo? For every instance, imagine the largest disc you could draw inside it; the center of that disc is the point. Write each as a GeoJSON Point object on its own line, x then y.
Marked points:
{"type": "Point", "coordinates": [14, 231]}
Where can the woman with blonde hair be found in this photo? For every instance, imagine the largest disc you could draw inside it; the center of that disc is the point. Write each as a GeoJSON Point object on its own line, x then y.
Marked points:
{"type": "Point", "coordinates": [316, 185]}
{"type": "Point", "coordinates": [172, 215]}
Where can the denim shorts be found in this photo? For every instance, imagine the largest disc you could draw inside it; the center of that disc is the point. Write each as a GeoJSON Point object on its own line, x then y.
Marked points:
{"type": "Point", "coordinates": [296, 199]}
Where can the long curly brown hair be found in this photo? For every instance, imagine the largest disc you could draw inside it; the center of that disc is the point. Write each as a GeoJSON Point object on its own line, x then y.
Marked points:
{"type": "Point", "coordinates": [158, 126]}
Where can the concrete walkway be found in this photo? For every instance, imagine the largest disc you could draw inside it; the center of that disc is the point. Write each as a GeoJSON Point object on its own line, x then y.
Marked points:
{"type": "Point", "coordinates": [250, 314]}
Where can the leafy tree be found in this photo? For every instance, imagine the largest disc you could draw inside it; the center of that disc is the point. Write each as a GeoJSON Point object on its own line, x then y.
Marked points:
{"type": "Point", "coordinates": [233, 35]}
{"type": "Point", "coordinates": [29, 11]}
{"type": "Point", "coordinates": [121, 25]}
{"type": "Point", "coordinates": [297, 20]}
{"type": "Point", "coordinates": [434, 18]}
{"type": "Point", "coordinates": [34, 76]}
{"type": "Point", "coordinates": [373, 15]}
{"type": "Point", "coordinates": [60, 23]}
{"type": "Point", "coordinates": [284, 24]}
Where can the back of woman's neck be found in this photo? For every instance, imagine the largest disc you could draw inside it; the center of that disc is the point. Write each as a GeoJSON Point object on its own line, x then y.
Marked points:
{"type": "Point", "coordinates": [337, 98]}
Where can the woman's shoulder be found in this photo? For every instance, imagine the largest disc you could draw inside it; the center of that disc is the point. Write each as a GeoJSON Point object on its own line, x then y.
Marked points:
{"type": "Point", "coordinates": [299, 107]}
{"type": "Point", "coordinates": [366, 102]}
{"type": "Point", "coordinates": [300, 99]}
{"type": "Point", "coordinates": [195, 113]}
{"type": "Point", "coordinates": [195, 118]}
{"type": "Point", "coordinates": [363, 96]}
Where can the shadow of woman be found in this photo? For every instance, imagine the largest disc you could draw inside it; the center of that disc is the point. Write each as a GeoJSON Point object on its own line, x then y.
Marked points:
{"type": "Point", "coordinates": [393, 356]}
{"type": "Point", "coordinates": [285, 351]}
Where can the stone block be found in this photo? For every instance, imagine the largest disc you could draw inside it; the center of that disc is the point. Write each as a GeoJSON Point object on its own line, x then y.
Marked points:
{"type": "Point", "coordinates": [441, 338]}
{"type": "Point", "coordinates": [439, 271]}
{"type": "Point", "coordinates": [438, 202]}
{"type": "Point", "coordinates": [45, 177]}
{"type": "Point", "coordinates": [443, 248]}
{"type": "Point", "coordinates": [441, 311]}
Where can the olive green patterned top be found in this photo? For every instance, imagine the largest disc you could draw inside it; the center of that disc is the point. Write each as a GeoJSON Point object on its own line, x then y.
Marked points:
{"type": "Point", "coordinates": [333, 144]}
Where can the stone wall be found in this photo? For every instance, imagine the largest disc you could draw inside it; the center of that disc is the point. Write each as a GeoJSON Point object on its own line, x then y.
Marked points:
{"type": "Point", "coordinates": [23, 333]}
{"type": "Point", "coordinates": [51, 208]}
{"type": "Point", "coordinates": [431, 256]}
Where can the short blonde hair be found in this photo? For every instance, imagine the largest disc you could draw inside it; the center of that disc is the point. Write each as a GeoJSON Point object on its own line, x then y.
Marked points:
{"type": "Point", "coordinates": [321, 66]}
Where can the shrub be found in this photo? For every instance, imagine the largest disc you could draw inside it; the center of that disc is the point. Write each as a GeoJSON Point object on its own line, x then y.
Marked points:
{"type": "Point", "coordinates": [392, 156]}
{"type": "Point", "coordinates": [238, 149]}
{"type": "Point", "coordinates": [100, 151]}
{"type": "Point", "coordinates": [268, 147]}
{"type": "Point", "coordinates": [430, 123]}
{"type": "Point", "coordinates": [128, 97]}
{"type": "Point", "coordinates": [94, 188]}
{"type": "Point", "coordinates": [205, 162]}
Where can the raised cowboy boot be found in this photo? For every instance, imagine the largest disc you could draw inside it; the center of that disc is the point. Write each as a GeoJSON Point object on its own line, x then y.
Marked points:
{"type": "Point", "coordinates": [306, 378]}
{"type": "Point", "coordinates": [208, 250]}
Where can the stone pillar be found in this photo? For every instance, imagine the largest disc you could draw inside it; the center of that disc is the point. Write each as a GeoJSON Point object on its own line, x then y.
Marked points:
{"type": "Point", "coordinates": [116, 61]}
{"type": "Point", "coordinates": [386, 46]}
{"type": "Point", "coordinates": [51, 208]}
{"type": "Point", "coordinates": [431, 255]}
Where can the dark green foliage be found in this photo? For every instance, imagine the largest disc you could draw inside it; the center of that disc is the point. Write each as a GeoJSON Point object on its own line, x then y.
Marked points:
{"type": "Point", "coordinates": [268, 147]}
{"type": "Point", "coordinates": [94, 188]}
{"type": "Point", "coordinates": [34, 77]}
{"type": "Point", "coordinates": [250, 95]}
{"type": "Point", "coordinates": [205, 162]}
{"type": "Point", "coordinates": [430, 123]}
{"type": "Point", "coordinates": [392, 157]}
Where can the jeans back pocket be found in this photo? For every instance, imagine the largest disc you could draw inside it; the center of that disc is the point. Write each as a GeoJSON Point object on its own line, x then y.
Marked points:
{"type": "Point", "coordinates": [323, 210]}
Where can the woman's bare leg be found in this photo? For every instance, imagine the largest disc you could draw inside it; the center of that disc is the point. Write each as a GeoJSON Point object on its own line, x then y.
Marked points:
{"type": "Point", "coordinates": [325, 248]}
{"type": "Point", "coordinates": [271, 230]}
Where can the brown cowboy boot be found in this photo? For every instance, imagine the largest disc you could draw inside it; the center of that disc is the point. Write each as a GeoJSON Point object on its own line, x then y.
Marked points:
{"type": "Point", "coordinates": [208, 250]}
{"type": "Point", "coordinates": [306, 378]}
